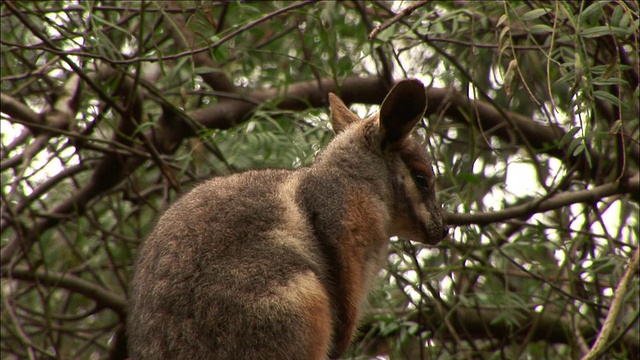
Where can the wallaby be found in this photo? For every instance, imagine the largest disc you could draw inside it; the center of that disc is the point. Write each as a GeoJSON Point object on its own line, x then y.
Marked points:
{"type": "Point", "coordinates": [276, 264]}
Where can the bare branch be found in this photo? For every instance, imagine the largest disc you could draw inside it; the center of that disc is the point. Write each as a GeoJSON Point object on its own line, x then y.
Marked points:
{"type": "Point", "coordinates": [101, 296]}
{"type": "Point", "coordinates": [616, 304]}
{"type": "Point", "coordinates": [300, 96]}
{"type": "Point", "coordinates": [591, 196]}
{"type": "Point", "coordinates": [185, 39]}
{"type": "Point", "coordinates": [480, 323]}
{"type": "Point", "coordinates": [18, 110]}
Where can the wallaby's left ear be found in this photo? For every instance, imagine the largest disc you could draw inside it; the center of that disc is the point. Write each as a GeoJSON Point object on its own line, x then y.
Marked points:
{"type": "Point", "coordinates": [341, 116]}
{"type": "Point", "coordinates": [401, 110]}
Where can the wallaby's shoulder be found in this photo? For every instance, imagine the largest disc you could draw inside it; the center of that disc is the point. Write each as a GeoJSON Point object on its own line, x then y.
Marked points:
{"type": "Point", "coordinates": [237, 188]}
{"type": "Point", "coordinates": [229, 205]}
{"type": "Point", "coordinates": [241, 183]}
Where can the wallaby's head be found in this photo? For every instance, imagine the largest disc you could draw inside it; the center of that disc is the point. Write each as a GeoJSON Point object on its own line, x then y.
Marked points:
{"type": "Point", "coordinates": [383, 152]}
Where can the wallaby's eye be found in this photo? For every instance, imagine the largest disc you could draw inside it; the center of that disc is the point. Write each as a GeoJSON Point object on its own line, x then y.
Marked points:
{"type": "Point", "coordinates": [421, 179]}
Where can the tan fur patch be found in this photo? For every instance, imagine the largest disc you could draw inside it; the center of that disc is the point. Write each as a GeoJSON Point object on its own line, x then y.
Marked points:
{"type": "Point", "coordinates": [294, 230]}
{"type": "Point", "coordinates": [306, 295]}
{"type": "Point", "coordinates": [359, 258]}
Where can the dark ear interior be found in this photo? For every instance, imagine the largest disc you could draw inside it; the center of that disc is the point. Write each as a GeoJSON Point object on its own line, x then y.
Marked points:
{"type": "Point", "coordinates": [401, 110]}
{"type": "Point", "coordinates": [341, 116]}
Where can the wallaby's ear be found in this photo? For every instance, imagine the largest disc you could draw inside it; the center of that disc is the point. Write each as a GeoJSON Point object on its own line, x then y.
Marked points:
{"type": "Point", "coordinates": [401, 110]}
{"type": "Point", "coordinates": [341, 116]}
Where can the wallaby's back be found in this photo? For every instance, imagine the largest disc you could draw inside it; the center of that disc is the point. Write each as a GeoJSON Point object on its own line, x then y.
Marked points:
{"type": "Point", "coordinates": [275, 264]}
{"type": "Point", "coordinates": [213, 281]}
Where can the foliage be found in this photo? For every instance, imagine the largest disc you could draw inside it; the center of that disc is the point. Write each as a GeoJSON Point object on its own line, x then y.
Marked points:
{"type": "Point", "coordinates": [110, 109]}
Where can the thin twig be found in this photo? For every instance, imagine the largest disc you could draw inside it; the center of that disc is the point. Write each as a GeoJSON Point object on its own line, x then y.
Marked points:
{"type": "Point", "coordinates": [402, 14]}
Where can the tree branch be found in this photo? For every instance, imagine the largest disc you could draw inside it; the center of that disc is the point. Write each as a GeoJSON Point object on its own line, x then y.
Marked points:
{"type": "Point", "coordinates": [303, 95]}
{"type": "Point", "coordinates": [16, 109]}
{"type": "Point", "coordinates": [186, 40]}
{"type": "Point", "coordinates": [621, 291]}
{"type": "Point", "coordinates": [399, 16]}
{"type": "Point", "coordinates": [526, 210]}
{"type": "Point", "coordinates": [480, 323]}
{"type": "Point", "coordinates": [101, 296]}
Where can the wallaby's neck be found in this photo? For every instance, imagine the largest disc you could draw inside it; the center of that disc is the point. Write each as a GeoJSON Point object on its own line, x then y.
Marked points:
{"type": "Point", "coordinates": [345, 196]}
{"type": "Point", "coordinates": [348, 161]}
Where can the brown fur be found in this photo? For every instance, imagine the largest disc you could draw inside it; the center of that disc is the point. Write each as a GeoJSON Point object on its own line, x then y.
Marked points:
{"type": "Point", "coordinates": [356, 244]}
{"type": "Point", "coordinates": [315, 305]}
{"type": "Point", "coordinates": [277, 264]}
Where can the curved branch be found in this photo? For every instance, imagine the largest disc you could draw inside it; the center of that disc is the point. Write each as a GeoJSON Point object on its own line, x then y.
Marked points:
{"type": "Point", "coordinates": [110, 171]}
{"type": "Point", "coordinates": [525, 210]}
{"type": "Point", "coordinates": [101, 296]}
{"type": "Point", "coordinates": [16, 109]}
{"type": "Point", "coordinates": [399, 16]}
{"type": "Point", "coordinates": [480, 323]}
{"type": "Point", "coordinates": [107, 174]}
{"type": "Point", "coordinates": [621, 291]}
{"type": "Point", "coordinates": [300, 96]}
{"type": "Point", "coordinates": [186, 40]}
{"type": "Point", "coordinates": [484, 116]}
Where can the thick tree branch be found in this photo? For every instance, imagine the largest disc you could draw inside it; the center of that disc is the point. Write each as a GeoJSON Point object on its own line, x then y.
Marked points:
{"type": "Point", "coordinates": [59, 116]}
{"type": "Point", "coordinates": [480, 323]}
{"type": "Point", "coordinates": [108, 173]}
{"type": "Point", "coordinates": [18, 110]}
{"type": "Point", "coordinates": [541, 138]}
{"type": "Point", "coordinates": [300, 96]}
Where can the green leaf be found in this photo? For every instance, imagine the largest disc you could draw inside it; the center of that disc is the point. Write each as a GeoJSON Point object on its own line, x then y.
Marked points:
{"type": "Point", "coordinates": [593, 9]}
{"type": "Point", "coordinates": [412, 327]}
{"type": "Point", "coordinates": [533, 14]}
{"type": "Point", "coordinates": [611, 81]}
{"type": "Point", "coordinates": [503, 32]}
{"type": "Point", "coordinates": [603, 265]}
{"type": "Point", "coordinates": [617, 15]}
{"type": "Point", "coordinates": [606, 96]}
{"type": "Point", "coordinates": [579, 149]}
{"type": "Point", "coordinates": [540, 29]}
{"type": "Point", "coordinates": [598, 31]}
{"type": "Point", "coordinates": [508, 318]}
{"type": "Point", "coordinates": [616, 126]}
{"type": "Point", "coordinates": [573, 145]}
{"type": "Point", "coordinates": [469, 178]}
{"type": "Point", "coordinates": [568, 136]}
{"type": "Point", "coordinates": [501, 19]}
{"type": "Point", "coordinates": [206, 70]}
{"type": "Point", "coordinates": [387, 329]}
{"type": "Point", "coordinates": [611, 69]}
{"type": "Point", "coordinates": [625, 21]}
